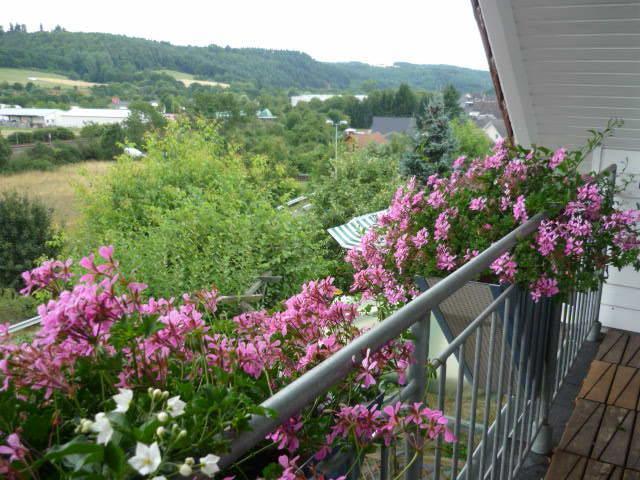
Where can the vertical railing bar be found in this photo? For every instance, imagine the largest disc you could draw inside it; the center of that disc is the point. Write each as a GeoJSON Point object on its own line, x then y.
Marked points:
{"type": "Point", "coordinates": [534, 417]}
{"type": "Point", "coordinates": [574, 309]}
{"type": "Point", "coordinates": [531, 411]}
{"type": "Point", "coordinates": [561, 347]}
{"type": "Point", "coordinates": [418, 375]}
{"type": "Point", "coordinates": [456, 427]}
{"type": "Point", "coordinates": [528, 383]}
{"type": "Point", "coordinates": [487, 394]}
{"type": "Point", "coordinates": [503, 348]}
{"type": "Point", "coordinates": [526, 302]}
{"type": "Point", "coordinates": [442, 392]}
{"type": "Point", "coordinates": [512, 374]}
{"type": "Point", "coordinates": [474, 400]}
{"type": "Point", "coordinates": [384, 462]}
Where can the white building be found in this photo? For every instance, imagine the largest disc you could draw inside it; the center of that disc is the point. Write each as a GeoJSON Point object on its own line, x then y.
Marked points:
{"type": "Point", "coordinates": [307, 97]}
{"type": "Point", "coordinates": [565, 67]}
{"type": "Point", "coordinates": [76, 117]}
{"type": "Point", "coordinates": [28, 117]}
{"type": "Point", "coordinates": [79, 117]}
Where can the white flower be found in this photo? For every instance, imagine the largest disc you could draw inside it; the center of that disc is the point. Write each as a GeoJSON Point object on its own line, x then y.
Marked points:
{"type": "Point", "coordinates": [102, 426]}
{"type": "Point", "coordinates": [147, 458]}
{"type": "Point", "coordinates": [209, 465]}
{"type": "Point", "coordinates": [176, 406]}
{"type": "Point", "coordinates": [185, 470]}
{"type": "Point", "coordinates": [163, 417]}
{"type": "Point", "coordinates": [123, 400]}
{"type": "Point", "coordinates": [159, 477]}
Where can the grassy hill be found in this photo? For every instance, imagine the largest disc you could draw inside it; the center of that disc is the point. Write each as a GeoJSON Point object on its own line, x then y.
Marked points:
{"type": "Point", "coordinates": [102, 58]}
{"type": "Point", "coordinates": [40, 78]}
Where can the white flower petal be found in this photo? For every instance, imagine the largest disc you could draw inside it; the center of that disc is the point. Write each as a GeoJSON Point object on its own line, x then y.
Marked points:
{"type": "Point", "coordinates": [209, 464]}
{"type": "Point", "coordinates": [123, 400]}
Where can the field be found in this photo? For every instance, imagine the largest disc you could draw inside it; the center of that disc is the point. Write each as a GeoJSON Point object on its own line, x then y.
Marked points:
{"type": "Point", "coordinates": [43, 79]}
{"type": "Point", "coordinates": [57, 188]}
{"type": "Point", "coordinates": [188, 79]}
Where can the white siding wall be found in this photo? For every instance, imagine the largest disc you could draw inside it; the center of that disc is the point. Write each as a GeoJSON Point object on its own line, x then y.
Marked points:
{"type": "Point", "coordinates": [81, 121]}
{"type": "Point", "coordinates": [621, 295]}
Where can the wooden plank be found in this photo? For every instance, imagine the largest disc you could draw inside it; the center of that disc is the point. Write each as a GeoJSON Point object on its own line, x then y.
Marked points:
{"type": "Point", "coordinates": [596, 27]}
{"type": "Point", "coordinates": [631, 357]}
{"type": "Point", "coordinates": [633, 457]}
{"type": "Point", "coordinates": [563, 87]}
{"type": "Point", "coordinates": [579, 41]}
{"type": "Point", "coordinates": [586, 53]}
{"type": "Point", "coordinates": [612, 347]}
{"type": "Point", "coordinates": [614, 436]}
{"type": "Point", "coordinates": [625, 389]}
{"type": "Point", "coordinates": [631, 475]}
{"type": "Point", "coordinates": [566, 466]}
{"type": "Point", "coordinates": [601, 471]}
{"type": "Point", "coordinates": [582, 429]}
{"type": "Point", "coordinates": [597, 384]}
{"type": "Point", "coordinates": [582, 12]}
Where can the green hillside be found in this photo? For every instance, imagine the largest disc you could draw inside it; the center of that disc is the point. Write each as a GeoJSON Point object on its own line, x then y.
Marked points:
{"type": "Point", "coordinates": [103, 58]}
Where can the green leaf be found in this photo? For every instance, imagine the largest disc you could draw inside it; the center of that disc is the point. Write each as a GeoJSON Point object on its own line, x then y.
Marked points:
{"type": "Point", "coordinates": [115, 459]}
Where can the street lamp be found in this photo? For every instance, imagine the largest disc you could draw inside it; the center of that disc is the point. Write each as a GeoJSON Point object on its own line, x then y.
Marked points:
{"type": "Point", "coordinates": [336, 125]}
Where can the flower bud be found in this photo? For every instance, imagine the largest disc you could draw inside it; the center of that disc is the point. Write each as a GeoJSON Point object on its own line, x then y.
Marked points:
{"type": "Point", "coordinates": [185, 470]}
{"type": "Point", "coordinates": [189, 461]}
{"type": "Point", "coordinates": [157, 394]}
{"type": "Point", "coordinates": [182, 434]}
{"type": "Point", "coordinates": [163, 417]}
{"type": "Point", "coordinates": [165, 395]}
{"type": "Point", "coordinates": [150, 391]}
{"type": "Point", "coordinates": [85, 425]}
{"type": "Point", "coordinates": [160, 431]}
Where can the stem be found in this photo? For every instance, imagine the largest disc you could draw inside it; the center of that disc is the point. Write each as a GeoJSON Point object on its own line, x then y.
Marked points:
{"type": "Point", "coordinates": [413, 459]}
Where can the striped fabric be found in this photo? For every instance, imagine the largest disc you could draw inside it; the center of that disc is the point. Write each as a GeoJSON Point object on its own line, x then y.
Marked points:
{"type": "Point", "coordinates": [349, 234]}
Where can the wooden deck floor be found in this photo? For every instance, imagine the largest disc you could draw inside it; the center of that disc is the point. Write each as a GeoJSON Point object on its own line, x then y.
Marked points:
{"type": "Point", "coordinates": [602, 439]}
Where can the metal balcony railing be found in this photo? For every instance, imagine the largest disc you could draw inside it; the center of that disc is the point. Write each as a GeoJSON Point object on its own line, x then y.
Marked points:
{"type": "Point", "coordinates": [498, 417]}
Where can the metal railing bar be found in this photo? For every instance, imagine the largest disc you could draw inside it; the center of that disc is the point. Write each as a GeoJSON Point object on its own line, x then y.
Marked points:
{"type": "Point", "coordinates": [469, 329]}
{"type": "Point", "coordinates": [442, 391]}
{"type": "Point", "coordinates": [487, 393]}
{"type": "Point", "coordinates": [458, 418]}
{"type": "Point", "coordinates": [30, 322]}
{"type": "Point", "coordinates": [512, 374]}
{"type": "Point", "coordinates": [503, 348]}
{"type": "Point", "coordinates": [304, 390]}
{"type": "Point", "coordinates": [474, 400]}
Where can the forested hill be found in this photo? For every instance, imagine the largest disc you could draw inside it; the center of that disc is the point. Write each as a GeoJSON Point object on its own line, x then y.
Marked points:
{"type": "Point", "coordinates": [100, 57]}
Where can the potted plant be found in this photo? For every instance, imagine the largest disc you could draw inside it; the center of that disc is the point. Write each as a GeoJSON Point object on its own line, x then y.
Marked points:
{"type": "Point", "coordinates": [118, 385]}
{"type": "Point", "coordinates": [429, 231]}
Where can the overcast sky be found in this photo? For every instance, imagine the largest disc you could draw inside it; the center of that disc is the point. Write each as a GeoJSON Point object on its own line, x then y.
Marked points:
{"type": "Point", "coordinates": [374, 31]}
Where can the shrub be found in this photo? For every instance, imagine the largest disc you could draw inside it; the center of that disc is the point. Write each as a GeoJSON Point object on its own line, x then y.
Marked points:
{"type": "Point", "coordinates": [361, 182]}
{"type": "Point", "coordinates": [27, 233]}
{"type": "Point", "coordinates": [188, 206]}
{"type": "Point", "coordinates": [5, 152]}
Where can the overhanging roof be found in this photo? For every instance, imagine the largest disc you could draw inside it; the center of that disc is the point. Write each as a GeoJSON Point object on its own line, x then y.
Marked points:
{"type": "Point", "coordinates": [567, 66]}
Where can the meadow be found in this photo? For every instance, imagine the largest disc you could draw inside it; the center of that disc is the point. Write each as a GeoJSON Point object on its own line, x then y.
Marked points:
{"type": "Point", "coordinates": [57, 188]}
{"type": "Point", "coordinates": [40, 78]}
{"type": "Point", "coordinates": [187, 79]}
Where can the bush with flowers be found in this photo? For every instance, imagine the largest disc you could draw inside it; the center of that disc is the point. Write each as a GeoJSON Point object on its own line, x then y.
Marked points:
{"type": "Point", "coordinates": [117, 385]}
{"type": "Point", "coordinates": [431, 231]}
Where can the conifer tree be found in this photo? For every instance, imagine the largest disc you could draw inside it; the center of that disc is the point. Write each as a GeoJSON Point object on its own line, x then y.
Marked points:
{"type": "Point", "coordinates": [433, 144]}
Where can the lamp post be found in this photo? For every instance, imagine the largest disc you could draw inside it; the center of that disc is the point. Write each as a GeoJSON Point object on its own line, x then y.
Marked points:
{"type": "Point", "coordinates": [336, 125]}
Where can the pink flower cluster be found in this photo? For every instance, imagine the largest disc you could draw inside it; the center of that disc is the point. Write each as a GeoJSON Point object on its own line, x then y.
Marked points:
{"type": "Point", "coordinates": [432, 231]}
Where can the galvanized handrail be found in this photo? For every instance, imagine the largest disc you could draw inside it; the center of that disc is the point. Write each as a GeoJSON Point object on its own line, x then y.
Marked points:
{"type": "Point", "coordinates": [304, 390]}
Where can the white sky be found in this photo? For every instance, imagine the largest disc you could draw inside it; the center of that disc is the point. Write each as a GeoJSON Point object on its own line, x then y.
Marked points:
{"type": "Point", "coordinates": [374, 31]}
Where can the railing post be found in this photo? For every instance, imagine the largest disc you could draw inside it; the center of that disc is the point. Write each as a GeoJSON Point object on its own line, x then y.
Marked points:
{"type": "Point", "coordinates": [543, 444]}
{"type": "Point", "coordinates": [418, 375]}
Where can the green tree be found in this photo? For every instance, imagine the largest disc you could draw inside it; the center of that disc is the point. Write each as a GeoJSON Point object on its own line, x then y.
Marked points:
{"type": "Point", "coordinates": [434, 144]}
{"type": "Point", "coordinates": [471, 139]}
{"type": "Point", "coordinates": [451, 98]}
{"type": "Point", "coordinates": [404, 102]}
{"type": "Point", "coordinates": [192, 215]}
{"type": "Point", "coordinates": [5, 152]}
{"type": "Point", "coordinates": [27, 235]}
